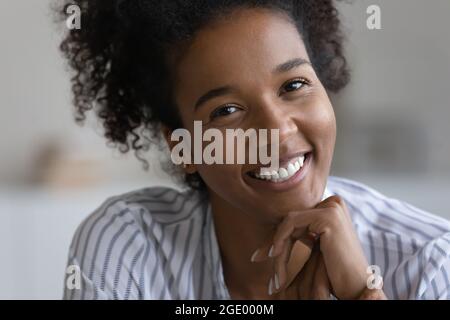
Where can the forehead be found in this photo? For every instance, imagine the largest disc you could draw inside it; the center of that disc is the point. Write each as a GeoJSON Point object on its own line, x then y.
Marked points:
{"type": "Point", "coordinates": [248, 43]}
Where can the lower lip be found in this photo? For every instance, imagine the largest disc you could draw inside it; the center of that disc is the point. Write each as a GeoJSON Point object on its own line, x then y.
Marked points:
{"type": "Point", "coordinates": [285, 185]}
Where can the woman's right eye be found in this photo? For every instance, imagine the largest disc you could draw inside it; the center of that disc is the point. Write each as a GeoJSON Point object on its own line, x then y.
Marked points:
{"type": "Point", "coordinates": [223, 111]}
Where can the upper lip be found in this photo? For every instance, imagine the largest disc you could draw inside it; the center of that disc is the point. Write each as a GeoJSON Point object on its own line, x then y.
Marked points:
{"type": "Point", "coordinates": [284, 160]}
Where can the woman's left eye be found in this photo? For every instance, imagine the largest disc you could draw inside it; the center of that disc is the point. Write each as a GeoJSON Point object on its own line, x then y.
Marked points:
{"type": "Point", "coordinates": [223, 111]}
{"type": "Point", "coordinates": [294, 85]}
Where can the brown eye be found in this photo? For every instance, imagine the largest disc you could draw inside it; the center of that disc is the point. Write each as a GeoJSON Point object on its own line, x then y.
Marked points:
{"type": "Point", "coordinates": [294, 85]}
{"type": "Point", "coordinates": [223, 111]}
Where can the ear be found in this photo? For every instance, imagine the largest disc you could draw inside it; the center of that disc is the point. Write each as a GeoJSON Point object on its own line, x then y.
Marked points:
{"type": "Point", "coordinates": [167, 133]}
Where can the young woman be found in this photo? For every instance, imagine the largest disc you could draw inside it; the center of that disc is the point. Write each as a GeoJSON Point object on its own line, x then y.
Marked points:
{"type": "Point", "coordinates": [155, 66]}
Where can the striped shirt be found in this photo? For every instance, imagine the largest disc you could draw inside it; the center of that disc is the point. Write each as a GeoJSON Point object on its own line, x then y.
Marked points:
{"type": "Point", "coordinates": [160, 243]}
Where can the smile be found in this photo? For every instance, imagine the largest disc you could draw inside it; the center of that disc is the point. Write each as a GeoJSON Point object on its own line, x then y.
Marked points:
{"type": "Point", "coordinates": [290, 169]}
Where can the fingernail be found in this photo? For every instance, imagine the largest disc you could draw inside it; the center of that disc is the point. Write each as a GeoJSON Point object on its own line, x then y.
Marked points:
{"type": "Point", "coordinates": [277, 281]}
{"type": "Point", "coordinates": [252, 259]}
{"type": "Point", "coordinates": [271, 251]}
{"type": "Point", "coordinates": [270, 287]}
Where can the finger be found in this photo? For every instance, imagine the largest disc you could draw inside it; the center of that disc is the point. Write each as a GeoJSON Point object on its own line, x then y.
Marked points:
{"type": "Point", "coordinates": [269, 250]}
{"type": "Point", "coordinates": [321, 289]}
{"type": "Point", "coordinates": [280, 265]}
{"type": "Point", "coordinates": [339, 203]}
{"type": "Point", "coordinates": [262, 252]}
{"type": "Point", "coordinates": [335, 201]}
{"type": "Point", "coordinates": [303, 248]}
{"type": "Point", "coordinates": [332, 199]}
{"type": "Point", "coordinates": [305, 281]}
{"type": "Point", "coordinates": [298, 224]}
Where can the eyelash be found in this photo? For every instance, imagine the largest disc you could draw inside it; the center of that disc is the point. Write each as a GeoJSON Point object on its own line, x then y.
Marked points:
{"type": "Point", "coordinates": [214, 115]}
{"type": "Point", "coordinates": [303, 81]}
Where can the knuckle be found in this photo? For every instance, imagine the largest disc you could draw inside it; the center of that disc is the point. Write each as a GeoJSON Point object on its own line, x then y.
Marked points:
{"type": "Point", "coordinates": [326, 232]}
{"type": "Point", "coordinates": [335, 201]}
{"type": "Point", "coordinates": [334, 205]}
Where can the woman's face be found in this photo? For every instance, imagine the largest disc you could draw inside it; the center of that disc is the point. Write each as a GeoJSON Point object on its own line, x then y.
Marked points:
{"type": "Point", "coordinates": [244, 52]}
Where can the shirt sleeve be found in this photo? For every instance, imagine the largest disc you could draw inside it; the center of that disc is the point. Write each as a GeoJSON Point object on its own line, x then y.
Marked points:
{"type": "Point", "coordinates": [85, 288]}
{"type": "Point", "coordinates": [107, 256]}
{"type": "Point", "coordinates": [434, 281]}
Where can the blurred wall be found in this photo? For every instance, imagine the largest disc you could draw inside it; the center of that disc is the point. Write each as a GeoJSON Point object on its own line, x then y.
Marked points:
{"type": "Point", "coordinates": [35, 99]}
{"type": "Point", "coordinates": [394, 116]}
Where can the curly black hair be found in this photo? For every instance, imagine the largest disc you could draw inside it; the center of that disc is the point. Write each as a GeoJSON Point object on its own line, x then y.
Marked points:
{"type": "Point", "coordinates": [121, 70]}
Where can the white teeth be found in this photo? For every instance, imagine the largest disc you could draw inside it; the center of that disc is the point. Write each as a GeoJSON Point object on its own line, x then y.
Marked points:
{"type": "Point", "coordinates": [301, 160]}
{"type": "Point", "coordinates": [275, 175]}
{"type": "Point", "coordinates": [282, 174]}
{"type": "Point", "coordinates": [291, 169]}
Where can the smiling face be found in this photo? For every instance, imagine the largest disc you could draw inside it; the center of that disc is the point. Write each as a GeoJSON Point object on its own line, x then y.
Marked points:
{"type": "Point", "coordinates": [255, 72]}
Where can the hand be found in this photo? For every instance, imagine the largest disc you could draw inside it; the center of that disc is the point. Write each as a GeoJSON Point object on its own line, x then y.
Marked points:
{"type": "Point", "coordinates": [312, 282]}
{"type": "Point", "coordinates": [330, 224]}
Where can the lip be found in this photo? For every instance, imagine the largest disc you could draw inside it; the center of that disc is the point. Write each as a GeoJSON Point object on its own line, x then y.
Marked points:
{"type": "Point", "coordinates": [285, 185]}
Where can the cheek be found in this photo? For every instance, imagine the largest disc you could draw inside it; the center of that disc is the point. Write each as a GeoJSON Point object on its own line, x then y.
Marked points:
{"type": "Point", "coordinates": [224, 180]}
{"type": "Point", "coordinates": [320, 125]}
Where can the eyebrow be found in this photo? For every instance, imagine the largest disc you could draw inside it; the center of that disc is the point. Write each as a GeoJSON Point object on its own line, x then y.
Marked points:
{"type": "Point", "coordinates": [290, 64]}
{"type": "Point", "coordinates": [224, 90]}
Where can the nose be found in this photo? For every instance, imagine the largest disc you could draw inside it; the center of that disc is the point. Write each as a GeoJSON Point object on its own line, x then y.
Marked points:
{"type": "Point", "coordinates": [272, 115]}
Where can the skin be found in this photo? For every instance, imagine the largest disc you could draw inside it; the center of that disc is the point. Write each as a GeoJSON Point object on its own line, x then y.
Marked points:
{"type": "Point", "coordinates": [316, 250]}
